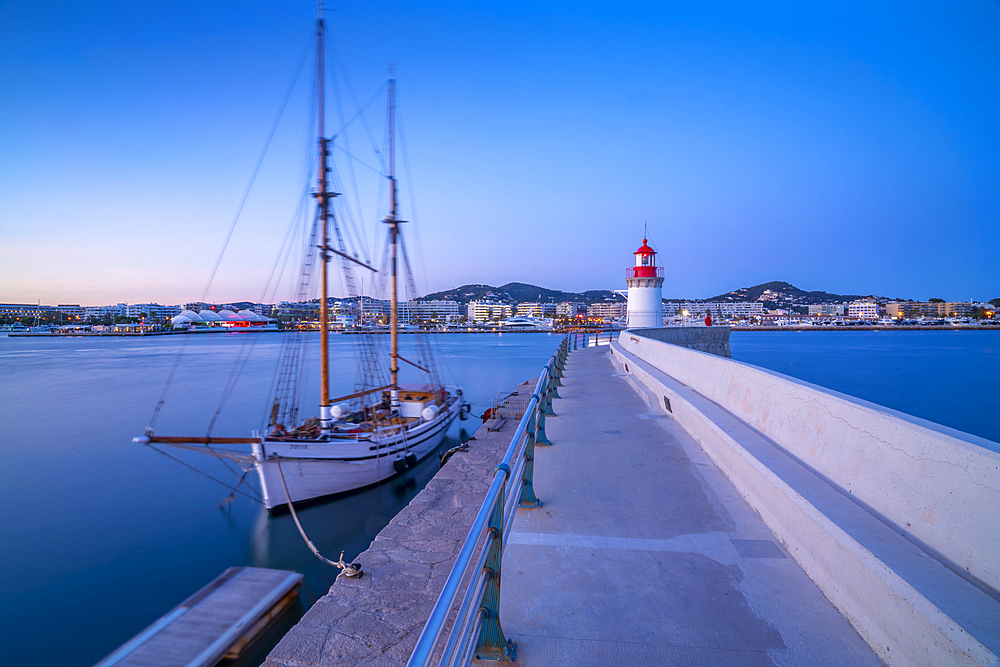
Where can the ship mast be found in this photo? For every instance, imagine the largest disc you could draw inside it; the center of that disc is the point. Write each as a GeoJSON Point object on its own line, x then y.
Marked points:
{"type": "Point", "coordinates": [323, 196]}
{"type": "Point", "coordinates": [393, 234]}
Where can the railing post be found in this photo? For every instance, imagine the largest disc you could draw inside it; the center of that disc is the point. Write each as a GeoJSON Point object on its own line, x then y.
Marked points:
{"type": "Point", "coordinates": [551, 391]}
{"type": "Point", "coordinates": [493, 645]}
{"type": "Point", "coordinates": [528, 497]}
{"type": "Point", "coordinates": [540, 437]}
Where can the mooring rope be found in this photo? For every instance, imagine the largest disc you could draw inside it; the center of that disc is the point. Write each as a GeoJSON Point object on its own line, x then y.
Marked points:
{"type": "Point", "coordinates": [352, 570]}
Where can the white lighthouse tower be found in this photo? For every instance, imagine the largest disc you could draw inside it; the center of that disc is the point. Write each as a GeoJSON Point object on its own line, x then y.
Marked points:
{"type": "Point", "coordinates": [645, 290]}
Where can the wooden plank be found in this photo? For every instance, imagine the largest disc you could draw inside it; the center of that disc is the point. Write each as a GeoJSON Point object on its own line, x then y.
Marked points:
{"type": "Point", "coordinates": [495, 424]}
{"type": "Point", "coordinates": [169, 439]}
{"type": "Point", "coordinates": [223, 615]}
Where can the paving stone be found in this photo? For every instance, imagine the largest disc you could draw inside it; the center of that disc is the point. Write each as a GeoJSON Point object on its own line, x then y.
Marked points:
{"type": "Point", "coordinates": [343, 649]}
{"type": "Point", "coordinates": [324, 615]}
{"type": "Point", "coordinates": [303, 645]}
{"type": "Point", "coordinates": [369, 629]}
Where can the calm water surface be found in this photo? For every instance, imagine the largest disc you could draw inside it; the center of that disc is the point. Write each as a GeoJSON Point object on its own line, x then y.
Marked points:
{"type": "Point", "coordinates": [101, 536]}
{"type": "Point", "coordinates": [948, 377]}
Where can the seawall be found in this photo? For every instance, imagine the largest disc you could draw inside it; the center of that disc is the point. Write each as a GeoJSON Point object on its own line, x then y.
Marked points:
{"type": "Point", "coordinates": [891, 515]}
{"type": "Point", "coordinates": [713, 340]}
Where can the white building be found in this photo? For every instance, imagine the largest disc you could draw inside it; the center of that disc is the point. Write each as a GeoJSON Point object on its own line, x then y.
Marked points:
{"type": "Point", "coordinates": [727, 309]}
{"type": "Point", "coordinates": [864, 309]}
{"type": "Point", "coordinates": [263, 309]}
{"type": "Point", "coordinates": [826, 309]}
{"type": "Point", "coordinates": [153, 310]}
{"type": "Point", "coordinates": [101, 312]}
{"type": "Point", "coordinates": [608, 310]}
{"type": "Point", "coordinates": [537, 309]}
{"type": "Point", "coordinates": [645, 290]}
{"type": "Point", "coordinates": [70, 309]}
{"type": "Point", "coordinates": [570, 309]}
{"type": "Point", "coordinates": [488, 310]}
{"type": "Point", "coordinates": [446, 311]}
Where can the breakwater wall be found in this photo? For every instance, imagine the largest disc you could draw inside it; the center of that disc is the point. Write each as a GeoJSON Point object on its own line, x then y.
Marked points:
{"type": "Point", "coordinates": [713, 340]}
{"type": "Point", "coordinates": [891, 515]}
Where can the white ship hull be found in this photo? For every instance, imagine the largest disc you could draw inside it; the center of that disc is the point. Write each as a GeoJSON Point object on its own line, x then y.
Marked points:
{"type": "Point", "coordinates": [313, 469]}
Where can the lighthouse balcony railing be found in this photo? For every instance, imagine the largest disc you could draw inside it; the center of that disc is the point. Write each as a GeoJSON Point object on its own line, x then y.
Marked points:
{"type": "Point", "coordinates": [644, 272]}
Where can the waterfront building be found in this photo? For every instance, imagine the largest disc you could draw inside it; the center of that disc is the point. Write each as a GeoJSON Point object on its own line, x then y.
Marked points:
{"type": "Point", "coordinates": [196, 306]}
{"type": "Point", "coordinates": [645, 290]}
{"type": "Point", "coordinates": [434, 310]}
{"type": "Point", "coordinates": [72, 310]}
{"type": "Point", "coordinates": [607, 310]}
{"type": "Point", "coordinates": [24, 310]}
{"type": "Point", "coordinates": [537, 309]}
{"type": "Point", "coordinates": [864, 309]}
{"type": "Point", "coordinates": [105, 312]}
{"type": "Point", "coordinates": [571, 309]}
{"type": "Point", "coordinates": [956, 308]}
{"type": "Point", "coordinates": [488, 311]}
{"type": "Point", "coordinates": [153, 310]}
{"type": "Point", "coordinates": [263, 309]}
{"type": "Point", "coordinates": [897, 309]}
{"type": "Point", "coordinates": [826, 309]}
{"type": "Point", "coordinates": [723, 309]}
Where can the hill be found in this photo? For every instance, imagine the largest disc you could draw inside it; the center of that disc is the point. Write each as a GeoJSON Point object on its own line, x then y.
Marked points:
{"type": "Point", "coordinates": [778, 294]}
{"type": "Point", "coordinates": [520, 293]}
{"type": "Point", "coordinates": [783, 291]}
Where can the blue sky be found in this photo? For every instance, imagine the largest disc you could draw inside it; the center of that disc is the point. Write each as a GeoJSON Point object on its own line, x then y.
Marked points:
{"type": "Point", "coordinates": [850, 147]}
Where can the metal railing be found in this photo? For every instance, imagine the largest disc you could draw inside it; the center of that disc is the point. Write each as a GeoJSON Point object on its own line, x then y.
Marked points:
{"type": "Point", "coordinates": [644, 272]}
{"type": "Point", "coordinates": [592, 338]}
{"type": "Point", "coordinates": [476, 631]}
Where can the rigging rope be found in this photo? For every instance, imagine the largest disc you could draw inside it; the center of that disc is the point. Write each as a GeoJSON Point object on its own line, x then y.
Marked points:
{"type": "Point", "coordinates": [246, 194]}
{"type": "Point", "coordinates": [256, 170]}
{"type": "Point", "coordinates": [412, 195]}
{"type": "Point", "coordinates": [234, 489]}
{"type": "Point", "coordinates": [170, 379]}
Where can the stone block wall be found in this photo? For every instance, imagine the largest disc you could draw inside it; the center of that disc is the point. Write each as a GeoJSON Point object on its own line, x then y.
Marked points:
{"type": "Point", "coordinates": [713, 340]}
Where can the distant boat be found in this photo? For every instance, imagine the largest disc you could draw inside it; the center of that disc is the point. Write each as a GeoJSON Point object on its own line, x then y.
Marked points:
{"type": "Point", "coordinates": [359, 439]}
{"type": "Point", "coordinates": [526, 323]}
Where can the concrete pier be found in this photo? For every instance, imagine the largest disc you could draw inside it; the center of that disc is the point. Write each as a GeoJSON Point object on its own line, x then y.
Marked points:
{"type": "Point", "coordinates": [698, 511]}
{"type": "Point", "coordinates": [645, 554]}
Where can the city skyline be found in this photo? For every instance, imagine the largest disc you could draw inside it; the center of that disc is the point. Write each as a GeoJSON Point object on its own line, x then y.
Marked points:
{"type": "Point", "coordinates": [841, 147]}
{"type": "Point", "coordinates": [835, 298]}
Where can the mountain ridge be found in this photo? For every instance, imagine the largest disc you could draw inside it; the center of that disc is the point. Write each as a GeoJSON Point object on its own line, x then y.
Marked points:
{"type": "Point", "coordinates": [524, 292]}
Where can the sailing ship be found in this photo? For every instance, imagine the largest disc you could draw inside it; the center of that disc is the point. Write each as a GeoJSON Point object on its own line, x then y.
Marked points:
{"type": "Point", "coordinates": [372, 434]}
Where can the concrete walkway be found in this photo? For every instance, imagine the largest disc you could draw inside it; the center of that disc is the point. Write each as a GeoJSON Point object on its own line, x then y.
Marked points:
{"type": "Point", "coordinates": [644, 554]}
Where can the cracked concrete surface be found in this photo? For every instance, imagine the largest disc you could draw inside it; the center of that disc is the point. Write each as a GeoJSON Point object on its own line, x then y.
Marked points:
{"type": "Point", "coordinates": [645, 554]}
{"type": "Point", "coordinates": [932, 481]}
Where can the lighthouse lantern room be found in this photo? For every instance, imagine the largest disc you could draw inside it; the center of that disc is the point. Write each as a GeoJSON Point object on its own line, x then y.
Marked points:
{"type": "Point", "coordinates": [645, 290]}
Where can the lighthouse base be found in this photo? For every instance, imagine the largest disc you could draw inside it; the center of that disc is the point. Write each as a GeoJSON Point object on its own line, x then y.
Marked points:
{"type": "Point", "coordinates": [645, 303]}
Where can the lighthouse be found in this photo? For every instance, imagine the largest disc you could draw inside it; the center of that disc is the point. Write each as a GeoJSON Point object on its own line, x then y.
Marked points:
{"type": "Point", "coordinates": [645, 290]}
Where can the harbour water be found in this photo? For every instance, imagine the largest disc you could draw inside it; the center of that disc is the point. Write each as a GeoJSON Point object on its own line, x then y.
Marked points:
{"type": "Point", "coordinates": [948, 377]}
{"type": "Point", "coordinates": [102, 536]}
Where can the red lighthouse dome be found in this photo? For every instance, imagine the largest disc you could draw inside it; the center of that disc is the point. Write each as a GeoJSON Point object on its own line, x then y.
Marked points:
{"type": "Point", "coordinates": [645, 262]}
